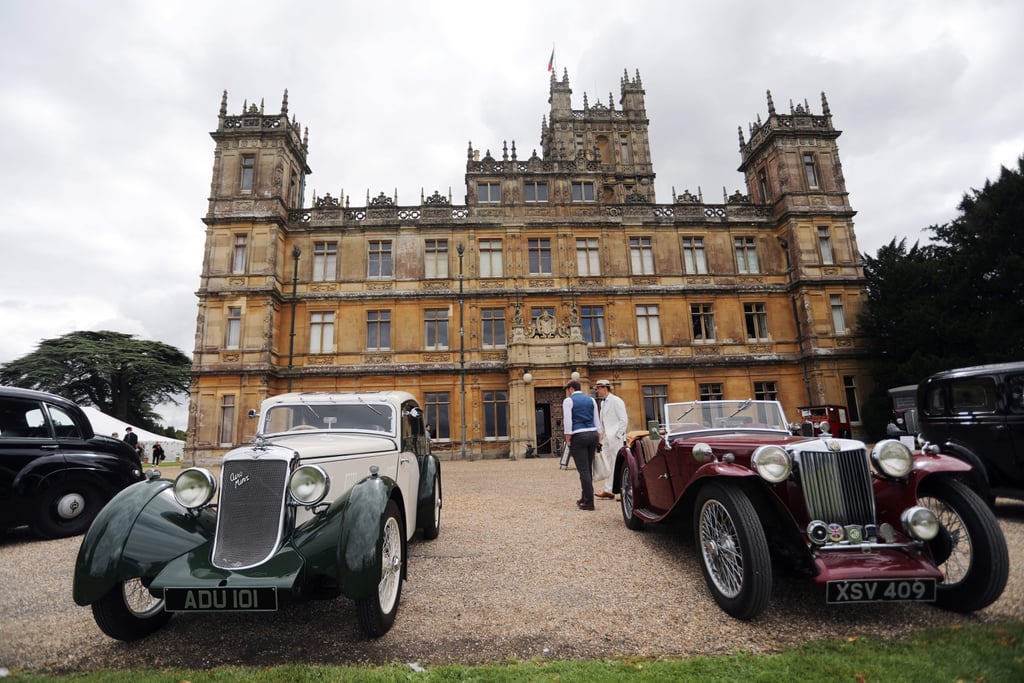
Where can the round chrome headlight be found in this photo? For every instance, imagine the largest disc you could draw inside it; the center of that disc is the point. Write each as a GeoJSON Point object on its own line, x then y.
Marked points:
{"type": "Point", "coordinates": [772, 463]}
{"type": "Point", "coordinates": [194, 487]}
{"type": "Point", "coordinates": [308, 485]}
{"type": "Point", "coordinates": [920, 522]}
{"type": "Point", "coordinates": [702, 452]}
{"type": "Point", "coordinates": [892, 458]}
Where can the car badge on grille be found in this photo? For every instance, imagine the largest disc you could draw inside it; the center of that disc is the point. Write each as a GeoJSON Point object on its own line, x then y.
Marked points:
{"type": "Point", "coordinates": [835, 446]}
{"type": "Point", "coordinates": [835, 532]}
{"type": "Point", "coordinates": [855, 532]}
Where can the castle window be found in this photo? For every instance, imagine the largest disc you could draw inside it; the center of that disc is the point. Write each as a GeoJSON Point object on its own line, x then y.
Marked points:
{"type": "Point", "coordinates": [825, 246]}
{"type": "Point", "coordinates": [378, 330]}
{"type": "Point", "coordinates": [488, 193]}
{"type": "Point", "coordinates": [850, 388]}
{"type": "Point", "coordinates": [655, 397]}
{"type": "Point", "coordinates": [534, 192]}
{"type": "Point", "coordinates": [762, 185]}
{"type": "Point", "coordinates": [495, 414]}
{"type": "Point", "coordinates": [583, 191]}
{"type": "Point", "coordinates": [490, 258]}
{"type": "Point", "coordinates": [438, 406]}
{"type": "Point", "coordinates": [325, 261]}
{"type": "Point", "coordinates": [703, 318]}
{"type": "Point", "coordinates": [641, 256]}
{"type": "Point", "coordinates": [756, 318]}
{"type": "Point", "coordinates": [540, 256]}
{"type": "Point", "coordinates": [588, 259]}
{"type": "Point", "coordinates": [810, 170]}
{"type": "Point", "coordinates": [648, 326]}
{"type": "Point", "coordinates": [492, 322]}
{"type": "Point", "coordinates": [711, 392]}
{"type": "Point", "coordinates": [624, 148]}
{"type": "Point", "coordinates": [233, 338]}
{"type": "Point", "coordinates": [238, 254]}
{"type": "Point", "coordinates": [579, 144]}
{"type": "Point", "coordinates": [435, 263]}
{"type": "Point", "coordinates": [592, 324]}
{"type": "Point", "coordinates": [321, 332]}
{"type": "Point", "coordinates": [379, 264]}
{"type": "Point", "coordinates": [694, 260]}
{"type": "Point", "coordinates": [248, 172]}
{"type": "Point", "coordinates": [838, 316]}
{"type": "Point", "coordinates": [765, 391]}
{"type": "Point", "coordinates": [227, 420]}
{"type": "Point", "coordinates": [435, 333]}
{"type": "Point", "coordinates": [746, 255]}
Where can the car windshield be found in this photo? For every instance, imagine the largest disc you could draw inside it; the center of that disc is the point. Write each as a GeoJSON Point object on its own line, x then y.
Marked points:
{"type": "Point", "coordinates": [370, 417]}
{"type": "Point", "coordinates": [697, 416]}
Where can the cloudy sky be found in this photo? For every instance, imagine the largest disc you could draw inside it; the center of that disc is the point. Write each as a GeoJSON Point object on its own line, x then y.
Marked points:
{"type": "Point", "coordinates": [106, 109]}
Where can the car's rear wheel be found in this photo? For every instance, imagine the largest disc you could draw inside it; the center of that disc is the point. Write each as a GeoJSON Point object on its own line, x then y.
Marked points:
{"type": "Point", "coordinates": [432, 517]}
{"type": "Point", "coordinates": [970, 550]}
{"type": "Point", "coordinates": [129, 612]}
{"type": "Point", "coordinates": [377, 614]}
{"type": "Point", "coordinates": [66, 508]}
{"type": "Point", "coordinates": [626, 495]}
{"type": "Point", "coordinates": [733, 551]}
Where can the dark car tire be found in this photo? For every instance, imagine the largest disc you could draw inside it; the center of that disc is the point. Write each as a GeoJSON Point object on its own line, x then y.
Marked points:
{"type": "Point", "coordinates": [970, 550]}
{"type": "Point", "coordinates": [128, 611]}
{"type": "Point", "coordinates": [377, 614]}
{"type": "Point", "coordinates": [732, 550]}
{"type": "Point", "coordinates": [431, 523]}
{"type": "Point", "coordinates": [66, 508]}
{"type": "Point", "coordinates": [626, 495]}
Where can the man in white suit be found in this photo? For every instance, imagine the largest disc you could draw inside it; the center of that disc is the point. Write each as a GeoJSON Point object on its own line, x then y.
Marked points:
{"type": "Point", "coordinates": [614, 424]}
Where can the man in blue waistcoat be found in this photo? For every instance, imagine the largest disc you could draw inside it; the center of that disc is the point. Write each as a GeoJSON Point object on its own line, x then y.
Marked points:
{"type": "Point", "coordinates": [579, 415]}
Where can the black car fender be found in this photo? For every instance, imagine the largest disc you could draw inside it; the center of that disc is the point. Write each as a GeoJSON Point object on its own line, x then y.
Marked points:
{"type": "Point", "coordinates": [136, 534]}
{"type": "Point", "coordinates": [429, 468]}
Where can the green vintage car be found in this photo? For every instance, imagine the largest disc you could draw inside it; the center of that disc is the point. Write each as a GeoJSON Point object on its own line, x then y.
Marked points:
{"type": "Point", "coordinates": [323, 502]}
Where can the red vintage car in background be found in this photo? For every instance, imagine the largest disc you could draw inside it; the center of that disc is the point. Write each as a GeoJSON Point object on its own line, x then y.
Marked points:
{"type": "Point", "coordinates": [884, 526]}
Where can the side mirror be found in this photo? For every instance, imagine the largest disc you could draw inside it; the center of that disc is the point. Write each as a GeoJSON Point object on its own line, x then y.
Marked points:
{"type": "Point", "coordinates": [652, 429]}
{"type": "Point", "coordinates": [253, 414]}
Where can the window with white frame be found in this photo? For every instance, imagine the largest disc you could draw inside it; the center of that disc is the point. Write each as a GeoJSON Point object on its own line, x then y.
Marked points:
{"type": "Point", "coordinates": [238, 254]}
{"type": "Point", "coordinates": [588, 258]}
{"type": "Point", "coordinates": [641, 256]}
{"type": "Point", "coordinates": [233, 338]}
{"type": "Point", "coordinates": [583, 191]}
{"type": "Point", "coordinates": [703, 318]}
{"type": "Point", "coordinates": [694, 260]}
{"type": "Point", "coordinates": [838, 316]}
{"type": "Point", "coordinates": [825, 245]}
{"type": "Point", "coordinates": [756, 317]}
{"type": "Point", "coordinates": [379, 263]}
{"type": "Point", "coordinates": [435, 322]}
{"type": "Point", "coordinates": [378, 330]}
{"type": "Point", "coordinates": [248, 172]}
{"type": "Point", "coordinates": [435, 259]}
{"type": "Point", "coordinates": [592, 324]}
{"type": "Point", "coordinates": [227, 420]}
{"type": "Point", "coordinates": [321, 332]}
{"type": "Point", "coordinates": [746, 255]}
{"type": "Point", "coordinates": [810, 169]}
{"type": "Point", "coordinates": [325, 261]}
{"type": "Point", "coordinates": [490, 258]}
{"type": "Point", "coordinates": [539, 256]}
{"type": "Point", "coordinates": [492, 323]}
{"type": "Point", "coordinates": [488, 193]}
{"type": "Point", "coordinates": [655, 398]}
{"type": "Point", "coordinates": [648, 326]}
{"type": "Point", "coordinates": [535, 192]}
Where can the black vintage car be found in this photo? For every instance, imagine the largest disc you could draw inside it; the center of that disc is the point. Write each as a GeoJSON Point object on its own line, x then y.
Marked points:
{"type": "Point", "coordinates": [977, 414]}
{"type": "Point", "coordinates": [55, 473]}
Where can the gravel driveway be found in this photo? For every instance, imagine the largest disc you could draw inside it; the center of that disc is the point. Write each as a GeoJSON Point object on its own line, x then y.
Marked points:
{"type": "Point", "coordinates": [517, 572]}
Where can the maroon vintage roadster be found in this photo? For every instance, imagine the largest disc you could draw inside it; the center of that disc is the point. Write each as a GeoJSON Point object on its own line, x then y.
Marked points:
{"type": "Point", "coordinates": [889, 525]}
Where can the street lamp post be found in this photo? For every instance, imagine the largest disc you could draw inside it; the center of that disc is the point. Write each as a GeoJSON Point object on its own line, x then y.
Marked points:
{"type": "Point", "coordinates": [296, 252]}
{"type": "Point", "coordinates": [462, 352]}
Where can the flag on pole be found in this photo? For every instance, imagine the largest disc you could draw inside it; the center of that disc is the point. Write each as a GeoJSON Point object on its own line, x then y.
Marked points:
{"type": "Point", "coordinates": [551, 62]}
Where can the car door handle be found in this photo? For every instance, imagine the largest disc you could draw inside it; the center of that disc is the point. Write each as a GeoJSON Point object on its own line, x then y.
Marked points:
{"type": "Point", "coordinates": [50, 446]}
{"type": "Point", "coordinates": [663, 476]}
{"type": "Point", "coordinates": [402, 461]}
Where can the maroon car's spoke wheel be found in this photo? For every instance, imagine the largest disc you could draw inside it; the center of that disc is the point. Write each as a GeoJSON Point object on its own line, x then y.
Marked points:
{"type": "Point", "coordinates": [732, 549]}
{"type": "Point", "coordinates": [627, 499]}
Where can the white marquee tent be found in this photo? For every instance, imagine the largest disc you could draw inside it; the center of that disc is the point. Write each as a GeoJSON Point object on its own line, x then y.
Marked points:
{"type": "Point", "coordinates": [111, 426]}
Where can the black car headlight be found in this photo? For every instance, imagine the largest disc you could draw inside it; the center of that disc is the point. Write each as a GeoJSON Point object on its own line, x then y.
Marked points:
{"type": "Point", "coordinates": [194, 487]}
{"type": "Point", "coordinates": [892, 458]}
{"type": "Point", "coordinates": [772, 463]}
{"type": "Point", "coordinates": [308, 485]}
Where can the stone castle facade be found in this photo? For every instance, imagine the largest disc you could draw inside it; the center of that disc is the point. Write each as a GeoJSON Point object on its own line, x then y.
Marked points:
{"type": "Point", "coordinates": [555, 266]}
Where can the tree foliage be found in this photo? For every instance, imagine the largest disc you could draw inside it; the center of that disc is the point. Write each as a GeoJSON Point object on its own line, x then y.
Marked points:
{"type": "Point", "coordinates": [954, 302]}
{"type": "Point", "coordinates": [120, 375]}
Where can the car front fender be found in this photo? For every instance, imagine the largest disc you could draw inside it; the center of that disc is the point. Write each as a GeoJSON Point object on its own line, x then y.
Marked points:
{"type": "Point", "coordinates": [344, 541]}
{"type": "Point", "coordinates": [430, 468]}
{"type": "Point", "coordinates": [136, 534]}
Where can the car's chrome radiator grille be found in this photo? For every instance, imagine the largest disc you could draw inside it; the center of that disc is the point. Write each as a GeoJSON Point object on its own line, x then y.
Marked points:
{"type": "Point", "coordinates": [249, 513]}
{"type": "Point", "coordinates": [837, 486]}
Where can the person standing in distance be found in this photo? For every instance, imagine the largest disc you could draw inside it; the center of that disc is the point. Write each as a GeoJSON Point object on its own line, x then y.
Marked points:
{"type": "Point", "coordinates": [613, 431]}
{"type": "Point", "coordinates": [131, 438]}
{"type": "Point", "coordinates": [579, 415]}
